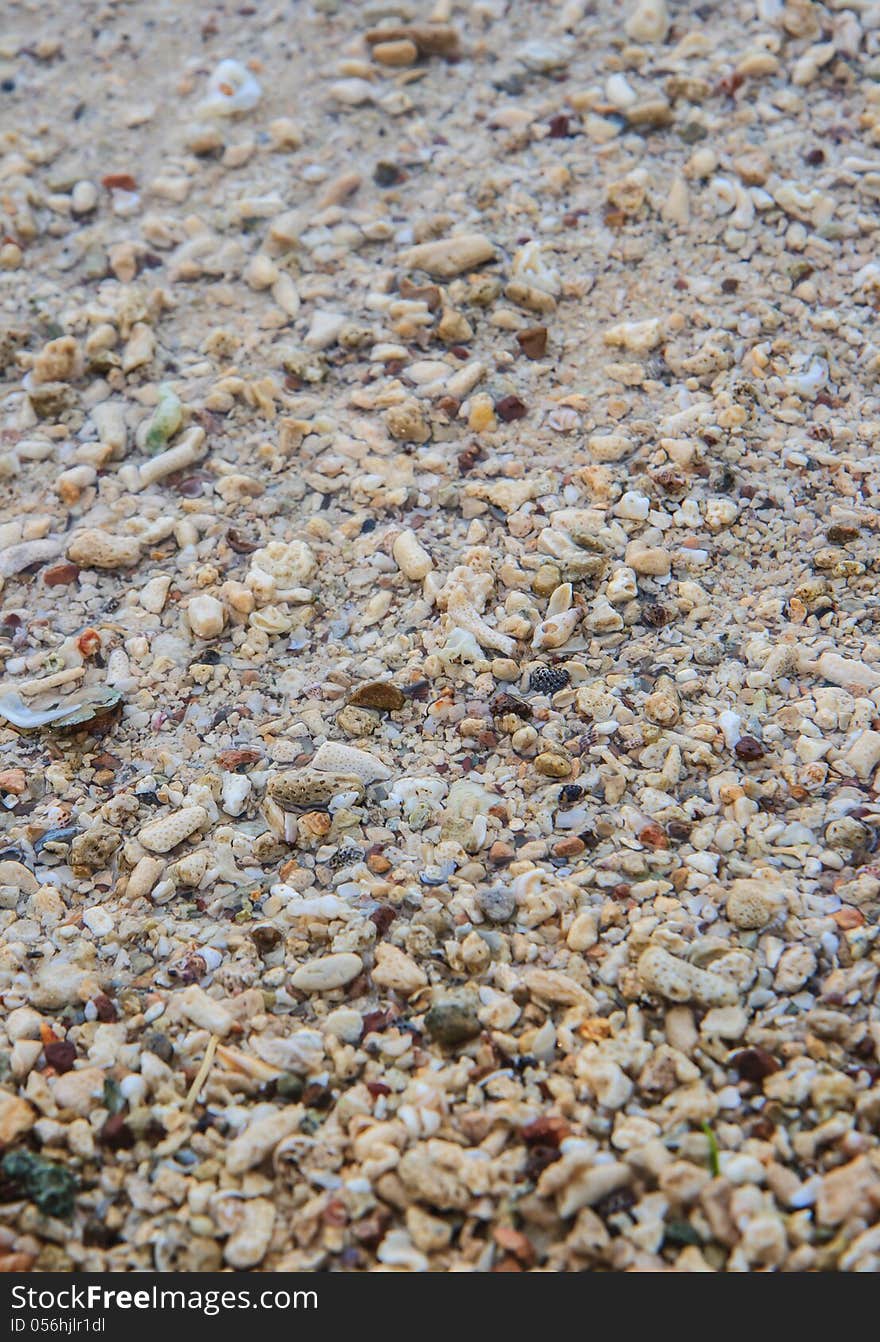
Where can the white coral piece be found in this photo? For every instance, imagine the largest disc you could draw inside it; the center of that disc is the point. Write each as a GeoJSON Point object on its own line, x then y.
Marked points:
{"type": "Point", "coordinates": [279, 570]}
{"type": "Point", "coordinates": [460, 646]}
{"type": "Point", "coordinates": [467, 618]}
{"type": "Point", "coordinates": [530, 267]}
{"type": "Point", "coordinates": [465, 594]}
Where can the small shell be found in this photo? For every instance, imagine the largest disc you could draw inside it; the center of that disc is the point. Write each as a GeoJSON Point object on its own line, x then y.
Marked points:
{"type": "Point", "coordinates": [74, 712]}
{"type": "Point", "coordinates": [195, 966]}
{"type": "Point", "coordinates": [449, 256]}
{"type": "Point", "coordinates": [467, 800]}
{"type": "Point", "coordinates": [560, 599]}
{"type": "Point", "coordinates": [281, 822]}
{"type": "Point", "coordinates": [415, 789]}
{"type": "Point", "coordinates": [559, 624]}
{"type": "Point", "coordinates": [809, 381]}
{"type": "Point", "coordinates": [271, 620]}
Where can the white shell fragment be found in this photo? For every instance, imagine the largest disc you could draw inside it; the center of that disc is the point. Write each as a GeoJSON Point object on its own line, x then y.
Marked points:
{"type": "Point", "coordinates": [231, 89]}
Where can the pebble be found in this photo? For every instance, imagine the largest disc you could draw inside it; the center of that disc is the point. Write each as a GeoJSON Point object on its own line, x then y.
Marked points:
{"type": "Point", "coordinates": [498, 903]}
{"type": "Point", "coordinates": [16, 1118]}
{"type": "Point", "coordinates": [453, 1020]}
{"type": "Point", "coordinates": [449, 256]}
{"type": "Point", "coordinates": [411, 557]}
{"type": "Point", "coordinates": [434, 38]}
{"type": "Point", "coordinates": [327, 972]}
{"type": "Point", "coordinates": [98, 921]}
{"type": "Point", "coordinates": [863, 755]}
{"type": "Point", "coordinates": [648, 21]}
{"type": "Point", "coordinates": [402, 52]}
{"type": "Point", "coordinates": [84, 197]}
{"type": "Point", "coordinates": [17, 558]}
{"type": "Point", "coordinates": [398, 971]}
{"type": "Point", "coordinates": [205, 616]}
{"type": "Point", "coordinates": [378, 694]}
{"type": "Point", "coordinates": [260, 1137]}
{"type": "Point", "coordinates": [553, 765]}
{"type": "Point", "coordinates": [204, 1011]}
{"type": "Point", "coordinates": [847, 671]}
{"type": "Point", "coordinates": [251, 1236]}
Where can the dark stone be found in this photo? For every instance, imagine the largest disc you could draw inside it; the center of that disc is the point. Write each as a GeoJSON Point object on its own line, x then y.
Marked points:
{"type": "Point", "coordinates": [498, 904]}
{"type": "Point", "coordinates": [453, 1020]}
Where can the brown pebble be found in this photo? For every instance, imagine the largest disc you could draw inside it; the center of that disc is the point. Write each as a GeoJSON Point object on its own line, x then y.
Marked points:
{"type": "Point", "coordinates": [754, 1064]}
{"type": "Point", "coordinates": [378, 694]}
{"type": "Point", "coordinates": [546, 1130]}
{"type": "Point", "coordinates": [570, 847]}
{"type": "Point", "coordinates": [383, 917]}
{"type": "Point", "coordinates": [60, 575]}
{"type": "Point", "coordinates": [510, 408]}
{"type": "Point", "coordinates": [265, 937]}
{"type": "Point", "coordinates": [848, 917]}
{"type": "Point", "coordinates": [468, 459]}
{"type": "Point", "coordinates": [119, 181]}
{"type": "Point", "coordinates": [240, 544]}
{"type": "Point", "coordinates": [106, 1009]}
{"type": "Point", "coordinates": [652, 836]}
{"type": "Point", "coordinates": [430, 294]}
{"type": "Point", "coordinates": [515, 1243]}
{"type": "Point", "coordinates": [116, 1135]}
{"type": "Point", "coordinates": [401, 52]}
{"type": "Point", "coordinates": [431, 39]}
{"type": "Point", "coordinates": [533, 343]}
{"type": "Point", "coordinates": [60, 1055]}
{"type": "Point", "coordinates": [234, 761]}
